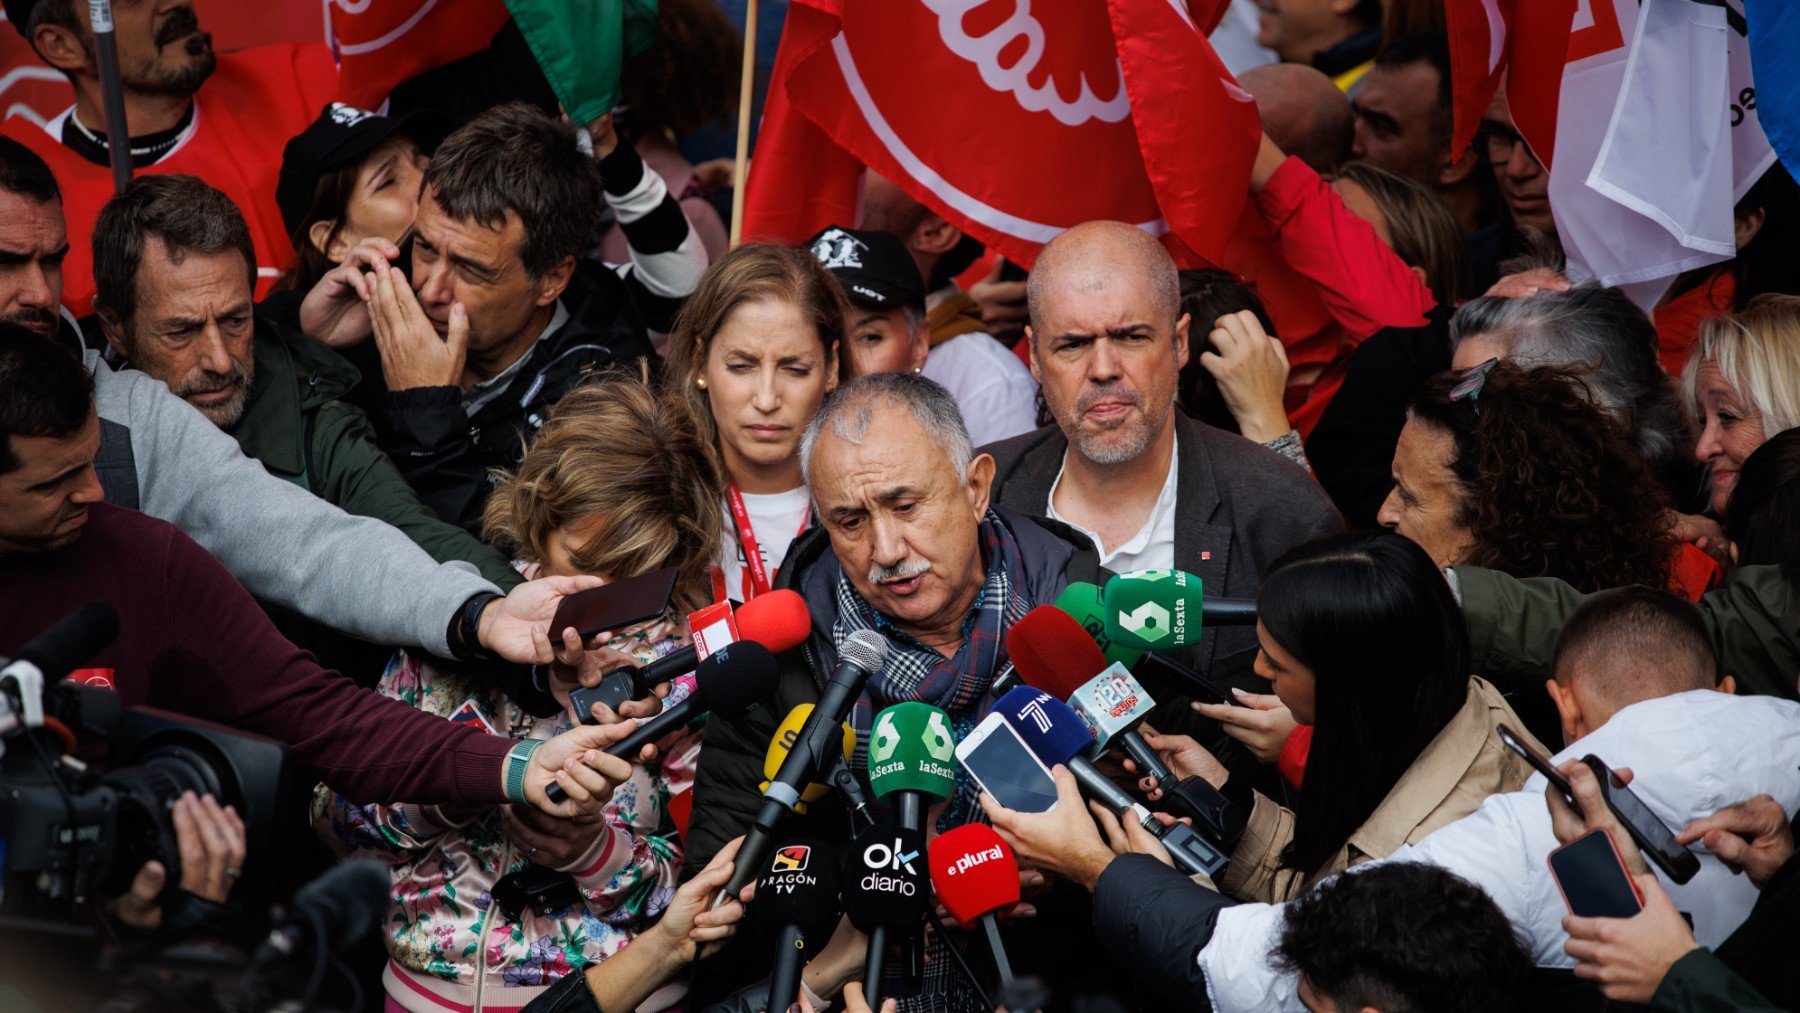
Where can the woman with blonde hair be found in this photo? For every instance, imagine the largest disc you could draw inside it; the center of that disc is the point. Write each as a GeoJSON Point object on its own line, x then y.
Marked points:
{"type": "Point", "coordinates": [616, 484]}
{"type": "Point", "coordinates": [1743, 386]}
{"type": "Point", "coordinates": [753, 354]}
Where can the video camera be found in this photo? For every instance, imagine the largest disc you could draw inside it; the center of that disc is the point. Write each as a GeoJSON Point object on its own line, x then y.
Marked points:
{"type": "Point", "coordinates": [87, 786]}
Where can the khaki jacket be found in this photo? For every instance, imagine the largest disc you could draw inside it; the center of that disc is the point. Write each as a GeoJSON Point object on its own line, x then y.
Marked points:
{"type": "Point", "coordinates": [1459, 768]}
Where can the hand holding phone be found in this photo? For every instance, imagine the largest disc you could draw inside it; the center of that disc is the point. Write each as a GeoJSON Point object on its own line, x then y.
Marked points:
{"type": "Point", "coordinates": [614, 606]}
{"type": "Point", "coordinates": [1593, 879]}
{"type": "Point", "coordinates": [1005, 767]}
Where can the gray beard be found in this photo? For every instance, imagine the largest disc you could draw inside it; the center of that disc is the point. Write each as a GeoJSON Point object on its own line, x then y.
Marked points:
{"type": "Point", "coordinates": [1115, 447]}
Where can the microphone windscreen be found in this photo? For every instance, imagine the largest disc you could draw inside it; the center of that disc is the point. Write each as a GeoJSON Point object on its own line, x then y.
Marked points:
{"type": "Point", "coordinates": [1052, 652]}
{"type": "Point", "coordinates": [885, 879]}
{"type": "Point", "coordinates": [911, 748]}
{"type": "Point", "coordinates": [1110, 703]}
{"type": "Point", "coordinates": [866, 649]}
{"type": "Point", "coordinates": [736, 677]}
{"type": "Point", "coordinates": [799, 884]}
{"type": "Point", "coordinates": [1081, 600]}
{"type": "Point", "coordinates": [1153, 610]}
{"type": "Point", "coordinates": [778, 620]}
{"type": "Point", "coordinates": [783, 744]}
{"type": "Point", "coordinates": [1049, 727]}
{"type": "Point", "coordinates": [74, 639]}
{"type": "Point", "coordinates": [973, 872]}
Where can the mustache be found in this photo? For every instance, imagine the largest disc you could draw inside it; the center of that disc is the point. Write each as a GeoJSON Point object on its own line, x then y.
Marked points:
{"type": "Point", "coordinates": [899, 571]}
{"type": "Point", "coordinates": [32, 318]}
{"type": "Point", "coordinates": [1114, 391]}
{"type": "Point", "coordinates": [212, 382]}
{"type": "Point", "coordinates": [180, 22]}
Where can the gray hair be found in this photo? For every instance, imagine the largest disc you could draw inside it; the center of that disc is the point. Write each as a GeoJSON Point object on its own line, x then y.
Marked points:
{"type": "Point", "coordinates": [849, 411]}
{"type": "Point", "coordinates": [1604, 336]}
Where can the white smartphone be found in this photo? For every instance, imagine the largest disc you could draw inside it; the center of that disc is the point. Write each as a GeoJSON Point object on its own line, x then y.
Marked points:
{"type": "Point", "coordinates": [1005, 766]}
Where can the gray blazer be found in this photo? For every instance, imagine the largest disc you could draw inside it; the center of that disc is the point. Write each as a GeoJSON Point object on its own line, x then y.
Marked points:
{"type": "Point", "coordinates": [1238, 506]}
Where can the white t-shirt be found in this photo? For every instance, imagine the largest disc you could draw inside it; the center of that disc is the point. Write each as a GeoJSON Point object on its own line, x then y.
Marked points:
{"type": "Point", "coordinates": [993, 389]}
{"type": "Point", "coordinates": [776, 519]}
{"type": "Point", "coordinates": [1153, 547]}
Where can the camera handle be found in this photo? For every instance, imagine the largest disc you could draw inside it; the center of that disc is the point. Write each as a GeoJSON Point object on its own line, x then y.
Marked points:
{"type": "Point", "coordinates": [27, 687]}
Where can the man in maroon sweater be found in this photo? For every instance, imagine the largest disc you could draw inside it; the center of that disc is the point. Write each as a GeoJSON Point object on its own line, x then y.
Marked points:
{"type": "Point", "coordinates": [192, 640]}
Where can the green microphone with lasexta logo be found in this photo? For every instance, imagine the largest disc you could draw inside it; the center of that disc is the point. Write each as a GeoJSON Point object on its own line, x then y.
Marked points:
{"type": "Point", "coordinates": [912, 759]}
{"type": "Point", "coordinates": [1153, 610]}
{"type": "Point", "coordinates": [1081, 602]}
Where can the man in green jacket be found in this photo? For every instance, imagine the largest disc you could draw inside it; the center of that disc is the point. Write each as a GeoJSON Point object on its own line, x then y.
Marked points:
{"type": "Point", "coordinates": [175, 276]}
{"type": "Point", "coordinates": [1754, 622]}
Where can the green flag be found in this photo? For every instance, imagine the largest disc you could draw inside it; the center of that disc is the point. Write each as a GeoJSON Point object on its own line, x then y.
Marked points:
{"type": "Point", "coordinates": [581, 46]}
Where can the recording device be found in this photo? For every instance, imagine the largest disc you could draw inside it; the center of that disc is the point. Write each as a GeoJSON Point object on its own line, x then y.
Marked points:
{"type": "Point", "coordinates": [783, 744]}
{"type": "Point", "coordinates": [1590, 872]}
{"type": "Point", "coordinates": [862, 655]}
{"type": "Point", "coordinates": [730, 682]}
{"type": "Point", "coordinates": [1005, 767]}
{"type": "Point", "coordinates": [612, 691]}
{"type": "Point", "coordinates": [976, 877]}
{"type": "Point", "coordinates": [535, 888]}
{"type": "Point", "coordinates": [614, 606]}
{"type": "Point", "coordinates": [1081, 601]}
{"type": "Point", "coordinates": [797, 891]}
{"type": "Point", "coordinates": [885, 889]}
{"type": "Point", "coordinates": [1653, 836]}
{"type": "Point", "coordinates": [1052, 730]}
{"type": "Point", "coordinates": [87, 785]}
{"type": "Point", "coordinates": [778, 620]}
{"type": "Point", "coordinates": [1162, 610]}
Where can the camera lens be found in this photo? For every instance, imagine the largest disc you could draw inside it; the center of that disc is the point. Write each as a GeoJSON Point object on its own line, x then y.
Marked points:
{"type": "Point", "coordinates": [145, 793]}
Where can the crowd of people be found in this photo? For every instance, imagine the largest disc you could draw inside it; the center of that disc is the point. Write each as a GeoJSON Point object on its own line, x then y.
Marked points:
{"type": "Point", "coordinates": [337, 407]}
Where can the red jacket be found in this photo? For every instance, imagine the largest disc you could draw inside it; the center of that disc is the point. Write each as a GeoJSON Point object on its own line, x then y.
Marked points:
{"type": "Point", "coordinates": [243, 116]}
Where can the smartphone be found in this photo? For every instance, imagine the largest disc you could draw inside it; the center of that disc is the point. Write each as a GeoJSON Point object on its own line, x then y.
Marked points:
{"type": "Point", "coordinates": [1653, 836]}
{"type": "Point", "coordinates": [1593, 879]}
{"type": "Point", "coordinates": [1005, 767]}
{"type": "Point", "coordinates": [613, 690]}
{"type": "Point", "coordinates": [615, 606]}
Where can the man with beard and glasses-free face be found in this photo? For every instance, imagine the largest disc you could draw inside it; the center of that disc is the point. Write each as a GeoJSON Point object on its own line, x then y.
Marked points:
{"type": "Point", "coordinates": [1150, 487]}
{"type": "Point", "coordinates": [187, 109]}
{"type": "Point", "coordinates": [33, 243]}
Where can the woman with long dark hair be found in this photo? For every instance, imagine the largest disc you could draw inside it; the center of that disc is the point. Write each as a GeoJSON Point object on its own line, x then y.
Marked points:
{"type": "Point", "coordinates": [1364, 642]}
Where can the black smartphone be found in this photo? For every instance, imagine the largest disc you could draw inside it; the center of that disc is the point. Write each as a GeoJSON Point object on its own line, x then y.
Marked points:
{"type": "Point", "coordinates": [613, 690]}
{"type": "Point", "coordinates": [615, 606]}
{"type": "Point", "coordinates": [1653, 836]}
{"type": "Point", "coordinates": [1593, 879]}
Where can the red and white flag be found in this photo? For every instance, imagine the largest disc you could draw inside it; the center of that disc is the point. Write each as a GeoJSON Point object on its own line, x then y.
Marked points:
{"type": "Point", "coordinates": [380, 43]}
{"type": "Point", "coordinates": [1014, 121]}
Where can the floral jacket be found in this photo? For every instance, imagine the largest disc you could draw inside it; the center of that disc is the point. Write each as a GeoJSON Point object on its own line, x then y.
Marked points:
{"type": "Point", "coordinates": [451, 947]}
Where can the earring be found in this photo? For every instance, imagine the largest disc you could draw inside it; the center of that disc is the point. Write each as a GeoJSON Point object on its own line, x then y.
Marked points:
{"type": "Point", "coordinates": [700, 382]}
{"type": "Point", "coordinates": [918, 369]}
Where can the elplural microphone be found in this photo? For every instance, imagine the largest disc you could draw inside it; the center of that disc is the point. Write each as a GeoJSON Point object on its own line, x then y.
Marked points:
{"type": "Point", "coordinates": [862, 655]}
{"type": "Point", "coordinates": [1162, 610]}
{"type": "Point", "coordinates": [885, 890]}
{"type": "Point", "coordinates": [778, 620]}
{"type": "Point", "coordinates": [783, 744]}
{"type": "Point", "coordinates": [48, 657]}
{"type": "Point", "coordinates": [730, 682]}
{"type": "Point", "coordinates": [976, 878]}
{"type": "Point", "coordinates": [1082, 602]}
{"type": "Point", "coordinates": [1051, 730]}
{"type": "Point", "coordinates": [797, 896]}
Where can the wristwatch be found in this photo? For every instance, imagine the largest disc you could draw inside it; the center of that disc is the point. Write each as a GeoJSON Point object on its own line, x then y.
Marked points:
{"type": "Point", "coordinates": [465, 629]}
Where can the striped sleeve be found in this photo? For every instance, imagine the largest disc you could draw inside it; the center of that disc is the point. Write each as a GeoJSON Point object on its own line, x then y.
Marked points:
{"type": "Point", "coordinates": [667, 256]}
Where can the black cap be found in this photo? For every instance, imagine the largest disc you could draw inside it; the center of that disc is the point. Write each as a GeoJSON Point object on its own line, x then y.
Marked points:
{"type": "Point", "coordinates": [341, 135]}
{"type": "Point", "coordinates": [873, 268]}
{"type": "Point", "coordinates": [19, 13]}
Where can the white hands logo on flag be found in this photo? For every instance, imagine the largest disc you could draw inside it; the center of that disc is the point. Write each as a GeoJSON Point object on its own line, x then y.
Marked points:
{"type": "Point", "coordinates": [984, 53]}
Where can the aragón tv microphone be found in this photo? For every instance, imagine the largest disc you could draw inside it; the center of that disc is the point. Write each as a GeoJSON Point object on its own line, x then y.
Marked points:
{"type": "Point", "coordinates": [730, 683]}
{"type": "Point", "coordinates": [860, 656]}
{"type": "Point", "coordinates": [797, 896]}
{"type": "Point", "coordinates": [976, 878]}
{"type": "Point", "coordinates": [778, 620]}
{"type": "Point", "coordinates": [1162, 610]}
{"type": "Point", "coordinates": [885, 890]}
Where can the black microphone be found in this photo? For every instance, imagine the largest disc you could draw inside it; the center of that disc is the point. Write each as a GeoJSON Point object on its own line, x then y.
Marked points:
{"type": "Point", "coordinates": [348, 901]}
{"type": "Point", "coordinates": [796, 896]}
{"type": "Point", "coordinates": [730, 683]}
{"type": "Point", "coordinates": [47, 658]}
{"type": "Point", "coordinates": [885, 887]}
{"type": "Point", "coordinates": [821, 738]}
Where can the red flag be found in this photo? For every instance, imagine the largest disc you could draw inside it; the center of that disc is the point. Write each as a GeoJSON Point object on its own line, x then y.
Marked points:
{"type": "Point", "coordinates": [1015, 123]}
{"type": "Point", "coordinates": [1533, 39]}
{"type": "Point", "coordinates": [1478, 32]}
{"type": "Point", "coordinates": [379, 45]}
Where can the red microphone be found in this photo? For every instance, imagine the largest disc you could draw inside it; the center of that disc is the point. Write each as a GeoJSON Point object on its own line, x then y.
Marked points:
{"type": "Point", "coordinates": [778, 620]}
{"type": "Point", "coordinates": [1053, 652]}
{"type": "Point", "coordinates": [976, 877]}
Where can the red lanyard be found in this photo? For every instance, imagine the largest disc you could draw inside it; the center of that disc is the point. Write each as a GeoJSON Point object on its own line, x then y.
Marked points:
{"type": "Point", "coordinates": [756, 575]}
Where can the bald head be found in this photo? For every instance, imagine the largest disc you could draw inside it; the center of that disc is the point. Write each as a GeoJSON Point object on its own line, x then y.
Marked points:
{"type": "Point", "coordinates": [1094, 255]}
{"type": "Point", "coordinates": [1303, 112]}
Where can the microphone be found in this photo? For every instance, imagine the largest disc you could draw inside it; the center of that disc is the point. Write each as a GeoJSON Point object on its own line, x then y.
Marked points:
{"type": "Point", "coordinates": [783, 744]}
{"type": "Point", "coordinates": [1082, 602]}
{"type": "Point", "coordinates": [884, 888]}
{"type": "Point", "coordinates": [862, 655]}
{"type": "Point", "coordinates": [976, 877]}
{"type": "Point", "coordinates": [349, 900]}
{"type": "Point", "coordinates": [47, 658]}
{"type": "Point", "coordinates": [912, 761]}
{"type": "Point", "coordinates": [797, 896]}
{"type": "Point", "coordinates": [730, 682]}
{"type": "Point", "coordinates": [1162, 610]}
{"type": "Point", "coordinates": [1052, 730]}
{"type": "Point", "coordinates": [778, 620]}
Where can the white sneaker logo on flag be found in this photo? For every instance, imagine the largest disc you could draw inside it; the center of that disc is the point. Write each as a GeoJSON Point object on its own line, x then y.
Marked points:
{"type": "Point", "coordinates": [838, 249]}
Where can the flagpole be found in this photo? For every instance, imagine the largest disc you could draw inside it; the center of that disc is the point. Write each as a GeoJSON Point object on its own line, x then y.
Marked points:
{"type": "Point", "coordinates": [740, 170]}
{"type": "Point", "coordinates": [112, 92]}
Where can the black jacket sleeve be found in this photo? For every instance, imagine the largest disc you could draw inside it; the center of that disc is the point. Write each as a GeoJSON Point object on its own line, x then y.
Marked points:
{"type": "Point", "coordinates": [427, 433]}
{"type": "Point", "coordinates": [1155, 921]}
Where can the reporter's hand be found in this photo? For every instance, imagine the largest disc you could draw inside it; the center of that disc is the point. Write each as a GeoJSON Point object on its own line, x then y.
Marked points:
{"type": "Point", "coordinates": [1263, 724]}
{"type": "Point", "coordinates": [551, 841]}
{"type": "Point", "coordinates": [1595, 814]}
{"type": "Point", "coordinates": [1752, 837]}
{"type": "Point", "coordinates": [855, 1002]}
{"type": "Point", "coordinates": [1628, 957]}
{"type": "Point", "coordinates": [210, 840]}
{"type": "Point", "coordinates": [687, 928]}
{"type": "Point", "coordinates": [1063, 841]}
{"type": "Point", "coordinates": [1252, 370]}
{"type": "Point", "coordinates": [1184, 757]}
{"type": "Point", "coordinates": [335, 312]}
{"type": "Point", "coordinates": [1003, 310]}
{"type": "Point", "coordinates": [576, 761]}
{"type": "Point", "coordinates": [839, 961]}
{"type": "Point", "coordinates": [517, 627]}
{"type": "Point", "coordinates": [1127, 836]}
{"type": "Point", "coordinates": [413, 355]}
